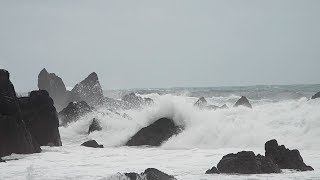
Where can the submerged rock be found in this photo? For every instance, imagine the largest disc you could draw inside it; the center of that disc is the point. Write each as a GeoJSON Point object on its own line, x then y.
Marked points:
{"type": "Point", "coordinates": [41, 118]}
{"type": "Point", "coordinates": [213, 170]}
{"type": "Point", "coordinates": [150, 174]}
{"type": "Point", "coordinates": [94, 126]}
{"type": "Point", "coordinates": [155, 134]}
{"type": "Point", "coordinates": [55, 87]}
{"type": "Point", "coordinates": [285, 158]}
{"type": "Point", "coordinates": [92, 143]}
{"type": "Point", "coordinates": [201, 103]}
{"type": "Point", "coordinates": [14, 136]}
{"type": "Point", "coordinates": [243, 101]}
{"type": "Point", "coordinates": [317, 95]}
{"type": "Point", "coordinates": [88, 90]}
{"type": "Point", "coordinates": [246, 162]}
{"type": "Point", "coordinates": [73, 112]}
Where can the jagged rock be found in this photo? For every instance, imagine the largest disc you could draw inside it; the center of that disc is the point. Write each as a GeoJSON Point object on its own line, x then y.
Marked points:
{"type": "Point", "coordinates": [243, 101]}
{"type": "Point", "coordinates": [150, 174]}
{"type": "Point", "coordinates": [14, 136]}
{"type": "Point", "coordinates": [155, 134]}
{"type": "Point", "coordinates": [133, 101]}
{"type": "Point", "coordinates": [73, 112]}
{"type": "Point", "coordinates": [92, 143]}
{"type": "Point", "coordinates": [88, 90]}
{"type": "Point", "coordinates": [213, 170]}
{"type": "Point", "coordinates": [285, 158]}
{"type": "Point", "coordinates": [201, 103]}
{"type": "Point", "coordinates": [246, 162]}
{"type": "Point", "coordinates": [317, 95]}
{"type": "Point", "coordinates": [55, 87]}
{"type": "Point", "coordinates": [41, 118]}
{"type": "Point", "coordinates": [94, 126]}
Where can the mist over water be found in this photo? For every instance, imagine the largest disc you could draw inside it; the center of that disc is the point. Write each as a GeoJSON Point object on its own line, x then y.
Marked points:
{"type": "Point", "coordinates": [288, 116]}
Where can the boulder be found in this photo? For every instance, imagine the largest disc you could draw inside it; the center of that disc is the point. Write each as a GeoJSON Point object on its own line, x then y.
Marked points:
{"type": "Point", "coordinates": [14, 136]}
{"type": "Point", "coordinates": [285, 158]}
{"type": "Point", "coordinates": [155, 134]}
{"type": "Point", "coordinates": [132, 101]}
{"type": "Point", "coordinates": [92, 143]}
{"type": "Point", "coordinates": [88, 90]}
{"type": "Point", "coordinates": [317, 95]}
{"type": "Point", "coordinates": [150, 174]}
{"type": "Point", "coordinates": [224, 106]}
{"type": "Point", "coordinates": [201, 103]}
{"type": "Point", "coordinates": [94, 126]}
{"type": "Point", "coordinates": [55, 87]}
{"type": "Point", "coordinates": [213, 170]}
{"type": "Point", "coordinates": [246, 162]}
{"type": "Point", "coordinates": [41, 118]}
{"type": "Point", "coordinates": [73, 112]}
{"type": "Point", "coordinates": [243, 101]}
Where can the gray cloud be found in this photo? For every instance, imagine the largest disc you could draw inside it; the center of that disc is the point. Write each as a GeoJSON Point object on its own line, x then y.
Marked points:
{"type": "Point", "coordinates": [162, 43]}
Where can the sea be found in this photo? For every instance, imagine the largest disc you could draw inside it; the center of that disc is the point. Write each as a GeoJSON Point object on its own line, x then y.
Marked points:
{"type": "Point", "coordinates": [283, 112]}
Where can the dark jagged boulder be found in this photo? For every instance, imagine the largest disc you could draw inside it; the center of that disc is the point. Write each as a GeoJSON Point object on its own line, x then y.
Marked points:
{"type": "Point", "coordinates": [94, 126]}
{"type": "Point", "coordinates": [246, 162]}
{"type": "Point", "coordinates": [73, 112]}
{"type": "Point", "coordinates": [55, 87]}
{"type": "Point", "coordinates": [150, 174]}
{"type": "Point", "coordinates": [155, 134]}
{"type": "Point", "coordinates": [14, 136]}
{"type": "Point", "coordinates": [88, 90]}
{"type": "Point", "coordinates": [132, 101]}
{"type": "Point", "coordinates": [213, 170]}
{"type": "Point", "coordinates": [92, 143]}
{"type": "Point", "coordinates": [243, 101]}
{"type": "Point", "coordinates": [41, 118]}
{"type": "Point", "coordinates": [317, 95]}
{"type": "Point", "coordinates": [201, 103]}
{"type": "Point", "coordinates": [285, 158]}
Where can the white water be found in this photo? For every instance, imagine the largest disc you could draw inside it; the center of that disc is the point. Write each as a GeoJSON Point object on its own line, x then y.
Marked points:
{"type": "Point", "coordinates": [208, 135]}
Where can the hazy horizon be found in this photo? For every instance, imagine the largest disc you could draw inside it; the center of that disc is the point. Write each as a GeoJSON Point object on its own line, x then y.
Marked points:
{"type": "Point", "coordinates": [162, 44]}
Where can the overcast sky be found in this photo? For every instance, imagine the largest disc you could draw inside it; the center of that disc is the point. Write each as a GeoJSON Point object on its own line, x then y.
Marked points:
{"type": "Point", "coordinates": [164, 43]}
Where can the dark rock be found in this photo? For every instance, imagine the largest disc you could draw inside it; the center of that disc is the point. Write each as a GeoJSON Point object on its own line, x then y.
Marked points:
{"type": "Point", "coordinates": [1, 160]}
{"type": "Point", "coordinates": [213, 170]}
{"type": "Point", "coordinates": [94, 126]}
{"type": "Point", "coordinates": [243, 101]}
{"type": "Point", "coordinates": [14, 136]}
{"type": "Point", "coordinates": [155, 134]}
{"type": "Point", "coordinates": [285, 158]}
{"type": "Point", "coordinates": [73, 112]}
{"type": "Point", "coordinates": [55, 87]}
{"type": "Point", "coordinates": [88, 90]}
{"type": "Point", "coordinates": [132, 101]}
{"type": "Point", "coordinates": [246, 162]}
{"type": "Point", "coordinates": [317, 95]}
{"type": "Point", "coordinates": [150, 174]}
{"type": "Point", "coordinates": [41, 118]}
{"type": "Point", "coordinates": [201, 103]}
{"type": "Point", "coordinates": [92, 143]}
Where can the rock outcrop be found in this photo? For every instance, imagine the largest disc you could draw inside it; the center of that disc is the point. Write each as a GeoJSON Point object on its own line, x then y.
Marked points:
{"type": "Point", "coordinates": [73, 112]}
{"type": "Point", "coordinates": [88, 90]}
{"type": "Point", "coordinates": [14, 136]}
{"type": "Point", "coordinates": [155, 134]}
{"type": "Point", "coordinates": [285, 158]}
{"type": "Point", "coordinates": [92, 144]}
{"type": "Point", "coordinates": [94, 126]}
{"type": "Point", "coordinates": [243, 101]}
{"type": "Point", "coordinates": [41, 118]}
{"type": "Point", "coordinates": [201, 103]}
{"type": "Point", "coordinates": [150, 174]}
{"type": "Point", "coordinates": [54, 85]}
{"type": "Point", "coordinates": [317, 95]}
{"type": "Point", "coordinates": [1, 160]}
{"type": "Point", "coordinates": [246, 162]}
{"type": "Point", "coordinates": [213, 170]}
{"type": "Point", "coordinates": [133, 101]}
